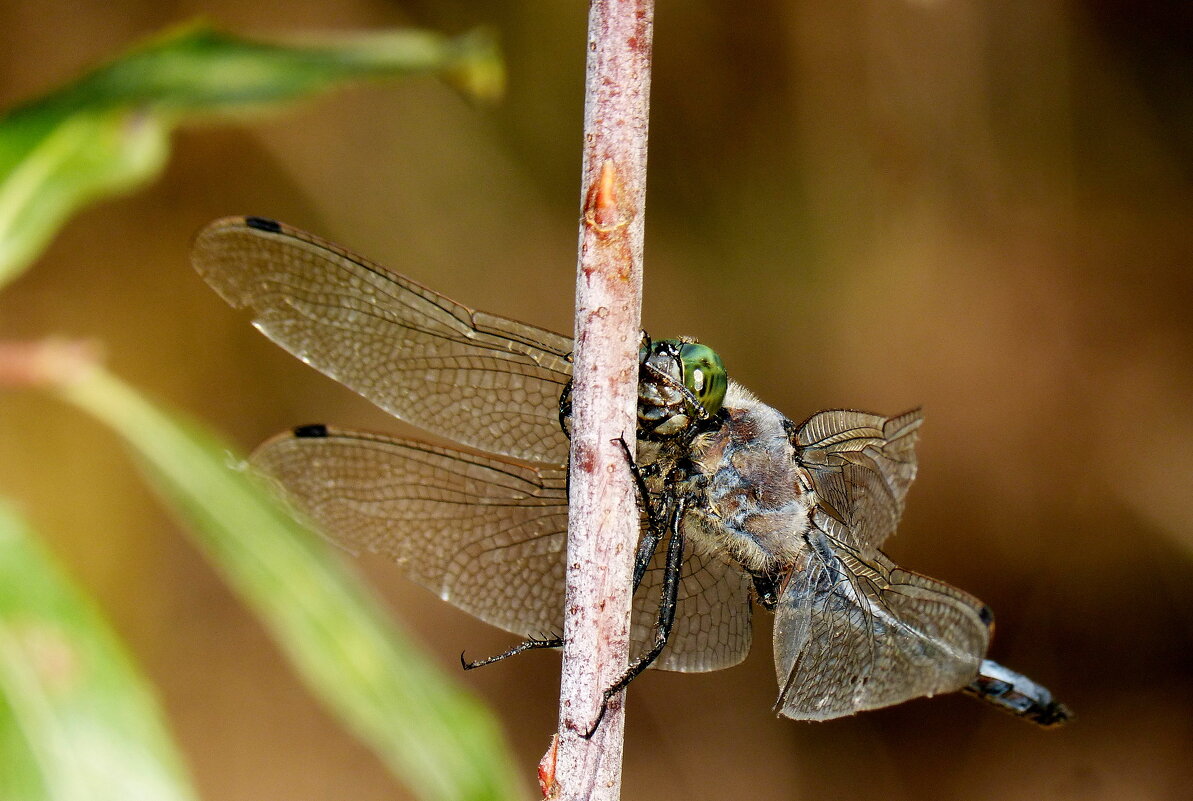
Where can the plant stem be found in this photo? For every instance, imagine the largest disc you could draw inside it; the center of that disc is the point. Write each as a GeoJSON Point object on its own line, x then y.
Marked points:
{"type": "Point", "coordinates": [603, 524]}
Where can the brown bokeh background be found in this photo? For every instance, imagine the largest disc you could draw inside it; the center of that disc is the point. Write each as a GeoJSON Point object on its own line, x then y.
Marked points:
{"type": "Point", "coordinates": [980, 207]}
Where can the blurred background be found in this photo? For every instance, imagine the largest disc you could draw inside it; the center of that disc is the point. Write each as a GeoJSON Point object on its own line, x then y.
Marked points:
{"type": "Point", "coordinates": [981, 208]}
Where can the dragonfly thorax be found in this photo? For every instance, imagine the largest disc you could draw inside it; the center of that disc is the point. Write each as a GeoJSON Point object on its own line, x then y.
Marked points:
{"type": "Point", "coordinates": [756, 500]}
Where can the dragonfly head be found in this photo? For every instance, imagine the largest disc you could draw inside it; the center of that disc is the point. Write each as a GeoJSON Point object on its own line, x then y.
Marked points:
{"type": "Point", "coordinates": [680, 382]}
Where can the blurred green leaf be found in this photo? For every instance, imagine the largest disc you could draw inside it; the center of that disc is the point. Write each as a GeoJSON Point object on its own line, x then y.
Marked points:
{"type": "Point", "coordinates": [108, 131]}
{"type": "Point", "coordinates": [76, 720]}
{"type": "Point", "coordinates": [439, 740]}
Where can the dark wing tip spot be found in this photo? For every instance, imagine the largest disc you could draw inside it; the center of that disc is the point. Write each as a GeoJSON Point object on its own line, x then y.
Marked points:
{"type": "Point", "coordinates": [313, 431]}
{"type": "Point", "coordinates": [263, 224]}
{"type": "Point", "coordinates": [987, 615]}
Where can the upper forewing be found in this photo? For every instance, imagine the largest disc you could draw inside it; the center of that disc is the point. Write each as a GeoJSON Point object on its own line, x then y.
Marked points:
{"type": "Point", "coordinates": [861, 466]}
{"type": "Point", "coordinates": [484, 534]}
{"type": "Point", "coordinates": [479, 379]}
{"type": "Point", "coordinates": [855, 633]}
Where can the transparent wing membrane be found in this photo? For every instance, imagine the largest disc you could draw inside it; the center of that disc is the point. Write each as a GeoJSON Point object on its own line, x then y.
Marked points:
{"type": "Point", "coordinates": [476, 378]}
{"type": "Point", "coordinates": [857, 632]}
{"type": "Point", "coordinates": [487, 535]}
{"type": "Point", "coordinates": [861, 466]}
{"type": "Point", "coordinates": [712, 613]}
{"type": "Point", "coordinates": [483, 533]}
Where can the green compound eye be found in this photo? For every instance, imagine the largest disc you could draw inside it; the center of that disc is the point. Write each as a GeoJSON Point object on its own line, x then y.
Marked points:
{"type": "Point", "coordinates": [704, 375]}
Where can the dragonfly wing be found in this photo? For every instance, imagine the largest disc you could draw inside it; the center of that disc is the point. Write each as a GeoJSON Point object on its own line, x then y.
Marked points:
{"type": "Point", "coordinates": [855, 633]}
{"type": "Point", "coordinates": [861, 466]}
{"type": "Point", "coordinates": [712, 614]}
{"type": "Point", "coordinates": [479, 379]}
{"type": "Point", "coordinates": [484, 534]}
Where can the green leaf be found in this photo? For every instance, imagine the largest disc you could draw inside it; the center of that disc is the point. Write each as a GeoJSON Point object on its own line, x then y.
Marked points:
{"type": "Point", "coordinates": [108, 132]}
{"type": "Point", "coordinates": [443, 743]}
{"type": "Point", "coordinates": [76, 719]}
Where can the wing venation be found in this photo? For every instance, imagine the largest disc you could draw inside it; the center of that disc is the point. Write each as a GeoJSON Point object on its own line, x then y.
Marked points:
{"type": "Point", "coordinates": [856, 632]}
{"type": "Point", "coordinates": [480, 379]}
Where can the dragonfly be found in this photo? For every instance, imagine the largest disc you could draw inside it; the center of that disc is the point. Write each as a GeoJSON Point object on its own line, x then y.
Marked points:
{"type": "Point", "coordinates": [740, 506]}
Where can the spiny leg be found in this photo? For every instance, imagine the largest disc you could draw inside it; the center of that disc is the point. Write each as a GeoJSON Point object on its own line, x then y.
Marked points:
{"type": "Point", "coordinates": [528, 645]}
{"type": "Point", "coordinates": [652, 535]}
{"type": "Point", "coordinates": [565, 408]}
{"type": "Point", "coordinates": [666, 617]}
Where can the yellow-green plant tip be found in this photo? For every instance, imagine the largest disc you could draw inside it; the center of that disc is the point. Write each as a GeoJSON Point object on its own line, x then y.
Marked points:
{"type": "Point", "coordinates": [107, 132]}
{"type": "Point", "coordinates": [478, 70]}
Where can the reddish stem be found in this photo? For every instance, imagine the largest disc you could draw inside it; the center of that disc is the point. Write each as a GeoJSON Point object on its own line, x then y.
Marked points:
{"type": "Point", "coordinates": [603, 526]}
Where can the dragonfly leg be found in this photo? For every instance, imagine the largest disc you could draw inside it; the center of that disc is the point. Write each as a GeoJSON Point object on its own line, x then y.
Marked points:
{"type": "Point", "coordinates": [528, 645]}
{"type": "Point", "coordinates": [646, 549]}
{"type": "Point", "coordinates": [645, 552]}
{"type": "Point", "coordinates": [666, 618]}
{"type": "Point", "coordinates": [650, 540]}
{"type": "Point", "coordinates": [565, 409]}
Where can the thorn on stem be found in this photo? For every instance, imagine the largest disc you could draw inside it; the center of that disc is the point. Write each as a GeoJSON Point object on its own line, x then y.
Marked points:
{"type": "Point", "coordinates": [600, 208]}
